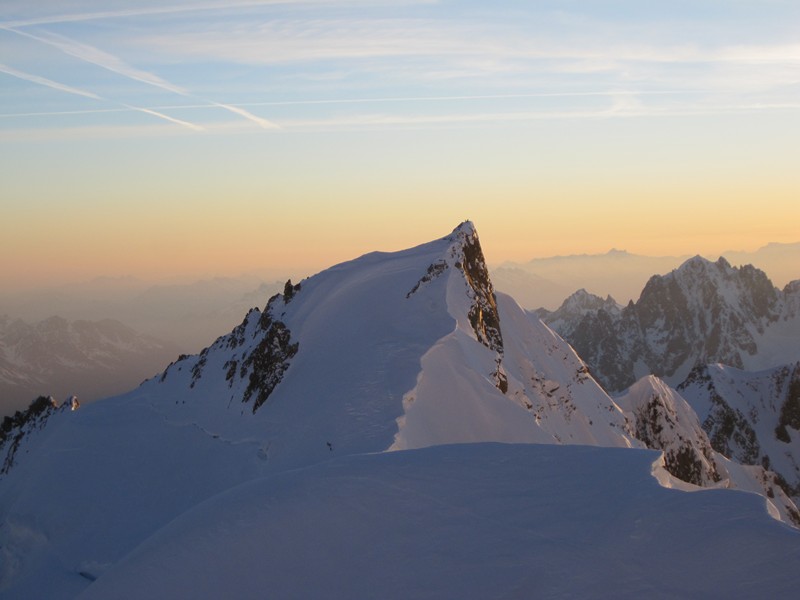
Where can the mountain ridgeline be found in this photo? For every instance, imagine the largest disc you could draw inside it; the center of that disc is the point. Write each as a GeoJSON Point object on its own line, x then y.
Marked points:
{"type": "Point", "coordinates": [59, 357]}
{"type": "Point", "coordinates": [701, 313]}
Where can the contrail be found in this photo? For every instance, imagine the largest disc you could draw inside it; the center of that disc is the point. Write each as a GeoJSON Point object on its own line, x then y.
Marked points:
{"type": "Point", "coordinates": [72, 90]}
{"type": "Point", "coordinates": [264, 123]}
{"type": "Point", "coordinates": [47, 82]}
{"type": "Point", "coordinates": [167, 117]}
{"type": "Point", "coordinates": [104, 60]}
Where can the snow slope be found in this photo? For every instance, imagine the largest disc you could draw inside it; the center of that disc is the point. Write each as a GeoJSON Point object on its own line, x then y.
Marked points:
{"type": "Point", "coordinates": [470, 521]}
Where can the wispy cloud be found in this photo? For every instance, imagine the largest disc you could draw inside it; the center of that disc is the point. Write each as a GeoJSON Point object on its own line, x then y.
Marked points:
{"type": "Point", "coordinates": [155, 113]}
{"type": "Point", "coordinates": [623, 108]}
{"type": "Point", "coordinates": [43, 81]}
{"type": "Point", "coordinates": [62, 87]}
{"type": "Point", "coordinates": [484, 45]}
{"type": "Point", "coordinates": [176, 9]}
{"type": "Point", "coordinates": [105, 60]}
{"type": "Point", "coordinates": [380, 100]}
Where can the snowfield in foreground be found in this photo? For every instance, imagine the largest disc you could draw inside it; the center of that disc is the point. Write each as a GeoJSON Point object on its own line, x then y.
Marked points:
{"type": "Point", "coordinates": [466, 521]}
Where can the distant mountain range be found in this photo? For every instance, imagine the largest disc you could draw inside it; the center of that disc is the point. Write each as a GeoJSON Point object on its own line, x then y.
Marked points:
{"type": "Point", "coordinates": [184, 314]}
{"type": "Point", "coordinates": [545, 282]}
{"type": "Point", "coordinates": [346, 436]}
{"type": "Point", "coordinates": [90, 359]}
{"type": "Point", "coordinates": [702, 312]}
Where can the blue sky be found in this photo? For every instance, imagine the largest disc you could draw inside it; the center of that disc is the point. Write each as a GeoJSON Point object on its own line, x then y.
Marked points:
{"type": "Point", "coordinates": [368, 112]}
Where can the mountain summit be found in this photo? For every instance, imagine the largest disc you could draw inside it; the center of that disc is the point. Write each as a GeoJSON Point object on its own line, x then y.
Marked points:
{"type": "Point", "coordinates": [391, 350]}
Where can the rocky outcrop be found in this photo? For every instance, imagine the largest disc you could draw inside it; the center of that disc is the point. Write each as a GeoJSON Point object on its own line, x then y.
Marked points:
{"type": "Point", "coordinates": [483, 314]}
{"type": "Point", "coordinates": [258, 352]}
{"type": "Point", "coordinates": [751, 418]}
{"type": "Point", "coordinates": [663, 421]}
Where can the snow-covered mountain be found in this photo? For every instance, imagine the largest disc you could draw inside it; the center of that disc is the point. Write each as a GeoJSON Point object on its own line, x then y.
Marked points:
{"type": "Point", "coordinates": [751, 417]}
{"type": "Point", "coordinates": [91, 359]}
{"type": "Point", "coordinates": [664, 420]}
{"type": "Point", "coordinates": [700, 313]}
{"type": "Point", "coordinates": [569, 315]}
{"type": "Point", "coordinates": [330, 413]}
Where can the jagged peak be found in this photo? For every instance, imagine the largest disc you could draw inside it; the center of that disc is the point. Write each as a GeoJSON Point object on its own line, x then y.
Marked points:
{"type": "Point", "coordinates": [581, 298]}
{"type": "Point", "coordinates": [723, 263]}
{"type": "Point", "coordinates": [467, 256]}
{"type": "Point", "coordinates": [581, 302]}
{"type": "Point", "coordinates": [695, 263]}
{"type": "Point", "coordinates": [464, 229]}
{"type": "Point", "coordinates": [699, 264]}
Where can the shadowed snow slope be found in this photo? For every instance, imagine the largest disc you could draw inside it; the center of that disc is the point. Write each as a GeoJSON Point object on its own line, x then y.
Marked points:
{"type": "Point", "coordinates": [470, 521]}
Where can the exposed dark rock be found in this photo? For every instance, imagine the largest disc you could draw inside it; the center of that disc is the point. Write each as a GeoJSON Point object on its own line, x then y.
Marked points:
{"type": "Point", "coordinates": [197, 369]}
{"type": "Point", "coordinates": [432, 273]}
{"type": "Point", "coordinates": [289, 291]}
{"type": "Point", "coordinates": [790, 411]}
{"type": "Point", "coordinates": [483, 314]}
{"type": "Point", "coordinates": [683, 462]}
{"type": "Point", "coordinates": [268, 361]}
{"type": "Point", "coordinates": [729, 431]}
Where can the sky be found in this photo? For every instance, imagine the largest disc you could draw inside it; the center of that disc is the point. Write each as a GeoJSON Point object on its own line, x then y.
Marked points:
{"type": "Point", "coordinates": [168, 139]}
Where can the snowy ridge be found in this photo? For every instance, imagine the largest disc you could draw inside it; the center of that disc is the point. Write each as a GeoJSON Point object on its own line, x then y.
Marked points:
{"type": "Point", "coordinates": [288, 419]}
{"type": "Point", "coordinates": [700, 313]}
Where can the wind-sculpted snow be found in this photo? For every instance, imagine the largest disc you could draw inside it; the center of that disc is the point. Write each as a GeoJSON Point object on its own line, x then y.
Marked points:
{"type": "Point", "coordinates": [550, 397]}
